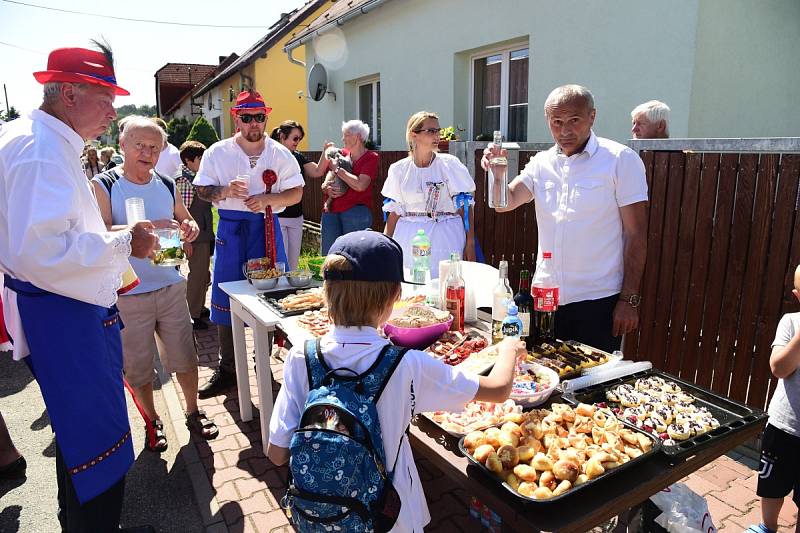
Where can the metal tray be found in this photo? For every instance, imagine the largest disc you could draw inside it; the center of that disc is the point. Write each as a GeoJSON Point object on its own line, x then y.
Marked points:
{"type": "Point", "coordinates": [732, 416]}
{"type": "Point", "coordinates": [578, 372]}
{"type": "Point", "coordinates": [270, 299]}
{"type": "Point", "coordinates": [471, 334]}
{"type": "Point", "coordinates": [574, 490]}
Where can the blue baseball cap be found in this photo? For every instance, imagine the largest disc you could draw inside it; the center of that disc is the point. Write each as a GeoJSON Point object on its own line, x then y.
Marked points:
{"type": "Point", "coordinates": [373, 256]}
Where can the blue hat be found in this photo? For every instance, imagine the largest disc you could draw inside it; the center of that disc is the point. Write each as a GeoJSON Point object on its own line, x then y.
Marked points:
{"type": "Point", "coordinates": [373, 256]}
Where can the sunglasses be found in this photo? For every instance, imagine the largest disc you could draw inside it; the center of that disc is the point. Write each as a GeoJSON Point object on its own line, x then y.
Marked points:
{"type": "Point", "coordinates": [260, 117]}
{"type": "Point", "coordinates": [431, 131]}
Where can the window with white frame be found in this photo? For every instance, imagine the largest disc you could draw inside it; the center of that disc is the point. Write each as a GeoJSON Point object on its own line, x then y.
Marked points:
{"type": "Point", "coordinates": [369, 107]}
{"type": "Point", "coordinates": [500, 94]}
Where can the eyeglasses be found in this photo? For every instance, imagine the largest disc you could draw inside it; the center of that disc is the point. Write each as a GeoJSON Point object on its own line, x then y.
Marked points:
{"type": "Point", "coordinates": [296, 139]}
{"type": "Point", "coordinates": [141, 147]}
{"type": "Point", "coordinates": [430, 131]}
{"type": "Point", "coordinates": [260, 117]}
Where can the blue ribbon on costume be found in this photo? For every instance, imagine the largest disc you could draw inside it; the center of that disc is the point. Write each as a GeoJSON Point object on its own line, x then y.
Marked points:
{"type": "Point", "coordinates": [386, 201]}
{"type": "Point", "coordinates": [463, 199]}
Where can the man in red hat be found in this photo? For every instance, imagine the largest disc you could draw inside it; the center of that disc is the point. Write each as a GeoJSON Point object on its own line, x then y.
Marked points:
{"type": "Point", "coordinates": [249, 178]}
{"type": "Point", "coordinates": [62, 270]}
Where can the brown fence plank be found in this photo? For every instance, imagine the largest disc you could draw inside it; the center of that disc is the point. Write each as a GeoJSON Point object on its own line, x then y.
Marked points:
{"type": "Point", "coordinates": [723, 215]}
{"type": "Point", "coordinates": [766, 180]}
{"type": "Point", "coordinates": [734, 273]}
{"type": "Point", "coordinates": [683, 263]}
{"type": "Point", "coordinates": [777, 297]}
{"type": "Point", "coordinates": [669, 237]}
{"type": "Point", "coordinates": [697, 295]}
{"type": "Point", "coordinates": [659, 176]}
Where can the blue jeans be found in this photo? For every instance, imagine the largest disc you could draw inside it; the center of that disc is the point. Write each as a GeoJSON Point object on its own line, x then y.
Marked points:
{"type": "Point", "coordinates": [334, 225]}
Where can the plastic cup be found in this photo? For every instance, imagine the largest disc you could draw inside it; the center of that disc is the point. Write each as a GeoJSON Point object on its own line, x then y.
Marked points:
{"type": "Point", "coordinates": [134, 210]}
{"type": "Point", "coordinates": [245, 179]}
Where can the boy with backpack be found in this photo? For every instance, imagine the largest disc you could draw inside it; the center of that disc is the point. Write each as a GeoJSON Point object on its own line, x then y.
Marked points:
{"type": "Point", "coordinates": [351, 466]}
{"type": "Point", "coordinates": [780, 442]}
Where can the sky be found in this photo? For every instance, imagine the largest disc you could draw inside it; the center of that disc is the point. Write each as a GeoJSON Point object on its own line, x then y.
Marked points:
{"type": "Point", "coordinates": [140, 49]}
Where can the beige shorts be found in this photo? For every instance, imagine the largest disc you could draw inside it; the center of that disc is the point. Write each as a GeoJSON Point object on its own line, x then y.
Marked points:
{"type": "Point", "coordinates": [156, 321]}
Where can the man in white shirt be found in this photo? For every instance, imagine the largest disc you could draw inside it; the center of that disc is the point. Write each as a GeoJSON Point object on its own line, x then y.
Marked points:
{"type": "Point", "coordinates": [62, 270]}
{"type": "Point", "coordinates": [169, 160]}
{"type": "Point", "coordinates": [650, 120]}
{"type": "Point", "coordinates": [233, 175]}
{"type": "Point", "coordinates": [591, 212]}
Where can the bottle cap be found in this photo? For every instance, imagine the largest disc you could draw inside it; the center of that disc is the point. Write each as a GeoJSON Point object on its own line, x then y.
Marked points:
{"type": "Point", "coordinates": [547, 255]}
{"type": "Point", "coordinates": [512, 308]}
{"type": "Point", "coordinates": [421, 232]}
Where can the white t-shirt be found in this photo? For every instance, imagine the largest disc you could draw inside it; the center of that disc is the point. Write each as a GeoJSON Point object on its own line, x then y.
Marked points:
{"type": "Point", "coordinates": [169, 161]}
{"type": "Point", "coordinates": [225, 160]}
{"type": "Point", "coordinates": [784, 408]}
{"type": "Point", "coordinates": [436, 386]}
{"type": "Point", "coordinates": [424, 190]}
{"type": "Point", "coordinates": [577, 202]}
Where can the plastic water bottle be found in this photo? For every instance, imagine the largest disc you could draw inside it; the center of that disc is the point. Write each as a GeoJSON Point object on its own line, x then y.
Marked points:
{"type": "Point", "coordinates": [512, 325]}
{"type": "Point", "coordinates": [421, 252]}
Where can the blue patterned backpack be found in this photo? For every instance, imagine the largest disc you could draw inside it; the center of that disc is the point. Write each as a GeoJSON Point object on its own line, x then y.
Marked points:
{"type": "Point", "coordinates": [337, 472]}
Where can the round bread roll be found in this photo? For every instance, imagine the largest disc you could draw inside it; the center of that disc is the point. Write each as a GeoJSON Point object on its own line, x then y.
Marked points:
{"type": "Point", "coordinates": [512, 427]}
{"type": "Point", "coordinates": [592, 468]}
{"type": "Point", "coordinates": [493, 463]}
{"type": "Point", "coordinates": [513, 481]}
{"type": "Point", "coordinates": [515, 417]}
{"type": "Point", "coordinates": [482, 452]}
{"type": "Point", "coordinates": [566, 470]}
{"type": "Point", "coordinates": [542, 493]}
{"type": "Point", "coordinates": [508, 438]}
{"type": "Point", "coordinates": [492, 436]}
{"type": "Point", "coordinates": [541, 462]}
{"type": "Point", "coordinates": [527, 489]}
{"type": "Point", "coordinates": [548, 479]}
{"type": "Point", "coordinates": [580, 480]}
{"type": "Point", "coordinates": [473, 440]}
{"type": "Point", "coordinates": [525, 453]}
{"type": "Point", "coordinates": [526, 473]}
{"type": "Point", "coordinates": [508, 456]}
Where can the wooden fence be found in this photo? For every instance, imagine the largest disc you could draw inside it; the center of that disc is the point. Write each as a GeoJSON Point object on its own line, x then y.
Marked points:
{"type": "Point", "coordinates": [722, 247]}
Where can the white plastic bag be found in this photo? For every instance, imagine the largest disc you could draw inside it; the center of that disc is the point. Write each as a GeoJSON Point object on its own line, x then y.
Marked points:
{"type": "Point", "coordinates": [683, 510]}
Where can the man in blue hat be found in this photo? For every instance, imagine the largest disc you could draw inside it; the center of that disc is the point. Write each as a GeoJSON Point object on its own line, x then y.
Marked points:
{"type": "Point", "coordinates": [62, 271]}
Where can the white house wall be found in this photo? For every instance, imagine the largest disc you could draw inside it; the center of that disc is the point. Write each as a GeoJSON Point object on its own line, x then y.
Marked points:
{"type": "Point", "coordinates": [626, 52]}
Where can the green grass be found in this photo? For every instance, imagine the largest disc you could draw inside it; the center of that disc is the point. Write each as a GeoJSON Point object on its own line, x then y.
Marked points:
{"type": "Point", "coordinates": [215, 216]}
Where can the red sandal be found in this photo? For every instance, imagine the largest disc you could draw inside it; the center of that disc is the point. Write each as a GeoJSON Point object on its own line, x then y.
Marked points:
{"type": "Point", "coordinates": [156, 439]}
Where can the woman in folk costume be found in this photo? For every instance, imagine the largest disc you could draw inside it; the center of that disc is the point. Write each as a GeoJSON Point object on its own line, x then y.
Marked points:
{"type": "Point", "coordinates": [249, 178]}
{"type": "Point", "coordinates": [430, 191]}
{"type": "Point", "coordinates": [62, 270]}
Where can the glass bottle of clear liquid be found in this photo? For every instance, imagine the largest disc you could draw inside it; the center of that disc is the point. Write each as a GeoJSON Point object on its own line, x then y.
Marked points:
{"type": "Point", "coordinates": [501, 295]}
{"type": "Point", "coordinates": [455, 294]}
{"type": "Point", "coordinates": [497, 175]}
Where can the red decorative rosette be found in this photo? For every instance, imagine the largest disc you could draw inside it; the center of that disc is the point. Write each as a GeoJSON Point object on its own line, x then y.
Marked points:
{"type": "Point", "coordinates": [269, 178]}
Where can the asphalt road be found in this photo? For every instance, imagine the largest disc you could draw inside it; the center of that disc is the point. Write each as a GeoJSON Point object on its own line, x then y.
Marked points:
{"type": "Point", "coordinates": [158, 488]}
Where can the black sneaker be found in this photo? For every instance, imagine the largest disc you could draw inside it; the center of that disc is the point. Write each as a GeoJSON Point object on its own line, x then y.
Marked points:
{"type": "Point", "coordinates": [219, 381]}
{"type": "Point", "coordinates": [199, 324]}
{"type": "Point", "coordinates": [205, 313]}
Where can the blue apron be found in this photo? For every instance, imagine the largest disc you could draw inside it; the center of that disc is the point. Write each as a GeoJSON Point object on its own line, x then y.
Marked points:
{"type": "Point", "coordinates": [240, 236]}
{"type": "Point", "coordinates": [76, 357]}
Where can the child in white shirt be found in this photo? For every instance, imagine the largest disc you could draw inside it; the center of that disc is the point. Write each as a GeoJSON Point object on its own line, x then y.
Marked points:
{"type": "Point", "coordinates": [363, 272]}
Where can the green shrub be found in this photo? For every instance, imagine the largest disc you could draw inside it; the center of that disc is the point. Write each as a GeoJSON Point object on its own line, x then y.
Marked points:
{"type": "Point", "coordinates": [177, 130]}
{"type": "Point", "coordinates": [203, 132]}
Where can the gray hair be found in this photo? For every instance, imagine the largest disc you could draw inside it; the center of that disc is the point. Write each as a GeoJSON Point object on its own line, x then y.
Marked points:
{"type": "Point", "coordinates": [654, 110]}
{"type": "Point", "coordinates": [357, 127]}
{"type": "Point", "coordinates": [568, 93]}
{"type": "Point", "coordinates": [52, 90]}
{"type": "Point", "coordinates": [136, 122]}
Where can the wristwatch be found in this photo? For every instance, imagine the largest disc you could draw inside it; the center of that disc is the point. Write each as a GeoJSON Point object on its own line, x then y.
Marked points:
{"type": "Point", "coordinates": [632, 299]}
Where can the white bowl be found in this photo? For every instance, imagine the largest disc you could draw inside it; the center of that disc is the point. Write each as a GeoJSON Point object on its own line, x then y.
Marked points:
{"type": "Point", "coordinates": [540, 396]}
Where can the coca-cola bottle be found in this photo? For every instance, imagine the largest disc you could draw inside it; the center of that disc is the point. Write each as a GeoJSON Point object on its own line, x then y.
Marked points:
{"type": "Point", "coordinates": [545, 299]}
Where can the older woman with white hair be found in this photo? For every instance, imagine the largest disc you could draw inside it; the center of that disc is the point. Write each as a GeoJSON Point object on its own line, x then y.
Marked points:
{"type": "Point", "coordinates": [351, 209]}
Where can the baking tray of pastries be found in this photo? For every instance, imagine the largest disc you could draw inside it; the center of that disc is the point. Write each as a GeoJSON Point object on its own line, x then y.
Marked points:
{"type": "Point", "coordinates": [293, 302]}
{"type": "Point", "coordinates": [568, 358]}
{"type": "Point", "coordinates": [682, 415]}
{"type": "Point", "coordinates": [551, 454]}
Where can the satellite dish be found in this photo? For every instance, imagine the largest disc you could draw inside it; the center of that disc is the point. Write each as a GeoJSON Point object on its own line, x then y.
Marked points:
{"type": "Point", "coordinates": [317, 82]}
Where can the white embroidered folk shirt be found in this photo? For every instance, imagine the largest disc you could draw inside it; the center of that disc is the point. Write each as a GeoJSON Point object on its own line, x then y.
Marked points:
{"type": "Point", "coordinates": [51, 231]}
{"type": "Point", "coordinates": [225, 160]}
